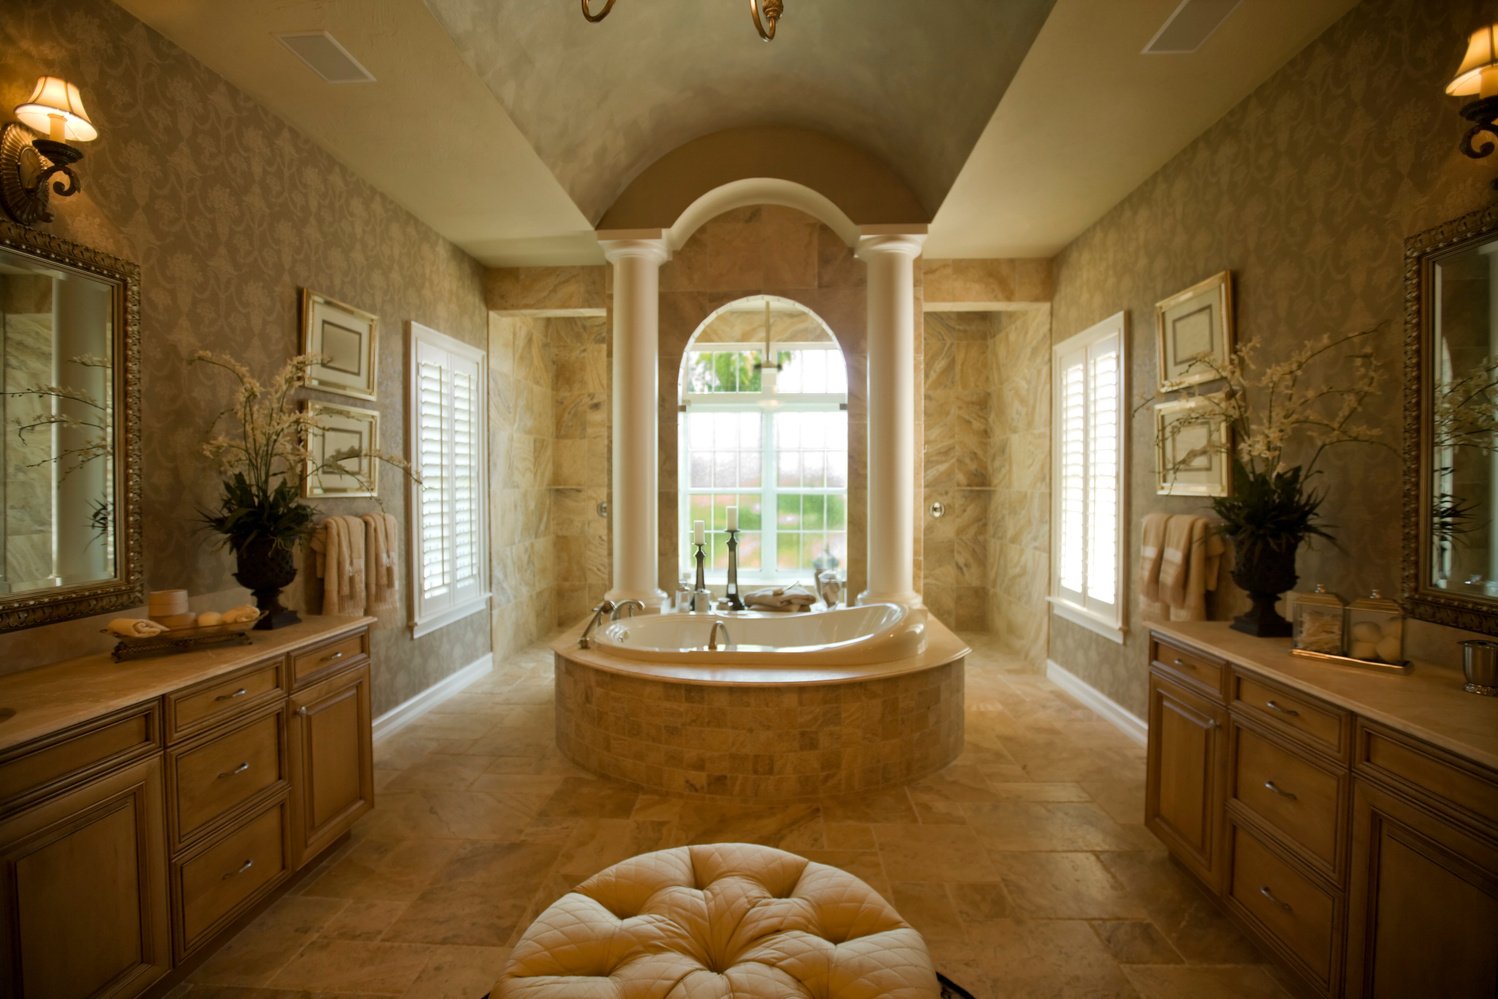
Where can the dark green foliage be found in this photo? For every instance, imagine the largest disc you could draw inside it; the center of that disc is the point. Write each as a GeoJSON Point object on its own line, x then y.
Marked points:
{"type": "Point", "coordinates": [1269, 511]}
{"type": "Point", "coordinates": [248, 511]}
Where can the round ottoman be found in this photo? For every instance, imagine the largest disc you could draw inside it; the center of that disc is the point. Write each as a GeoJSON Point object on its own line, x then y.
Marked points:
{"type": "Point", "coordinates": [723, 921]}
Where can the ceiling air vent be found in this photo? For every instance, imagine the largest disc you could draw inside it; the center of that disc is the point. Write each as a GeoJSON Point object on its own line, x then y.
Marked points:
{"type": "Point", "coordinates": [328, 59]}
{"type": "Point", "coordinates": [1192, 24]}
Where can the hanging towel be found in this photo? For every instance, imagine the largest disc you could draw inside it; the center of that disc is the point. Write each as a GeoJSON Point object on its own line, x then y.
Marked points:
{"type": "Point", "coordinates": [1174, 558]}
{"type": "Point", "coordinates": [379, 561]}
{"type": "Point", "coordinates": [1151, 548]}
{"type": "Point", "coordinates": [354, 593]}
{"type": "Point", "coordinates": [1204, 560]}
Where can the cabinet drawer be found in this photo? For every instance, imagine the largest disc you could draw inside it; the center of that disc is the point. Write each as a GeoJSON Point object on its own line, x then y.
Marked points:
{"type": "Point", "coordinates": [1296, 797]}
{"type": "Point", "coordinates": [1293, 909]}
{"type": "Point", "coordinates": [208, 704]}
{"type": "Point", "coordinates": [325, 658]}
{"type": "Point", "coordinates": [212, 778]}
{"type": "Point", "coordinates": [78, 754]}
{"type": "Point", "coordinates": [1428, 774]}
{"type": "Point", "coordinates": [231, 873]}
{"type": "Point", "coordinates": [1189, 665]}
{"type": "Point", "coordinates": [1294, 715]}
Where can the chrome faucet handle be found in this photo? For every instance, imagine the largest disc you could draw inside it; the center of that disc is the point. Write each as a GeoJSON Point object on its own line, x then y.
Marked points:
{"type": "Point", "coordinates": [585, 640]}
{"type": "Point", "coordinates": [632, 605]}
{"type": "Point", "coordinates": [712, 637]}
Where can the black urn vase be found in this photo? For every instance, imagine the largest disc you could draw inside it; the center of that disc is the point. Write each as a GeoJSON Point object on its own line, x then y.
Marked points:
{"type": "Point", "coordinates": [1264, 572]}
{"type": "Point", "coordinates": [265, 569]}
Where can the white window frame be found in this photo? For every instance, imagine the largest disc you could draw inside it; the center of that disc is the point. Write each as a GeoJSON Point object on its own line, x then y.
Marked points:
{"type": "Point", "coordinates": [766, 403]}
{"type": "Point", "coordinates": [1079, 606]}
{"type": "Point", "coordinates": [430, 612]}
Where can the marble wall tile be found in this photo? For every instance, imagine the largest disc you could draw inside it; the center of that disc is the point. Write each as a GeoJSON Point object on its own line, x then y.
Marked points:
{"type": "Point", "coordinates": [996, 284]}
{"type": "Point", "coordinates": [545, 289]}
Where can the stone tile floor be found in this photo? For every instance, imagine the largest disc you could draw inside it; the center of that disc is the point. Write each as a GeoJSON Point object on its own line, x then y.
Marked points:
{"type": "Point", "coordinates": [1024, 864]}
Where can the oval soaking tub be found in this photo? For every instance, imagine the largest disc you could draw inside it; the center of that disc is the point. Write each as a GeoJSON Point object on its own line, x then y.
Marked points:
{"type": "Point", "coordinates": [796, 706]}
{"type": "Point", "coordinates": [852, 636]}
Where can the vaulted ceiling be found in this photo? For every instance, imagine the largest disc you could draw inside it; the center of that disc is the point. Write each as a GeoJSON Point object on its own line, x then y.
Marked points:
{"type": "Point", "coordinates": [513, 126]}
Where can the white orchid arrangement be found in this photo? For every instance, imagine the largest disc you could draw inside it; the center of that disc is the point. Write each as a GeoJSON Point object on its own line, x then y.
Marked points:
{"type": "Point", "coordinates": [91, 417]}
{"type": "Point", "coordinates": [267, 461]}
{"type": "Point", "coordinates": [1465, 410]}
{"type": "Point", "coordinates": [1300, 406]}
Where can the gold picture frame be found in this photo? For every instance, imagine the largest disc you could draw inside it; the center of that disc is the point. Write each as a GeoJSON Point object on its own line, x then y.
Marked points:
{"type": "Point", "coordinates": [346, 337]}
{"type": "Point", "coordinates": [1191, 326]}
{"type": "Point", "coordinates": [345, 430]}
{"type": "Point", "coordinates": [1191, 449]}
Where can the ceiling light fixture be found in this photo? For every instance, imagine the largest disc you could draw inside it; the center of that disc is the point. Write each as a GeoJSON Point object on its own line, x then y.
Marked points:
{"type": "Point", "coordinates": [766, 14]}
{"type": "Point", "coordinates": [1478, 75]}
{"type": "Point", "coordinates": [28, 160]}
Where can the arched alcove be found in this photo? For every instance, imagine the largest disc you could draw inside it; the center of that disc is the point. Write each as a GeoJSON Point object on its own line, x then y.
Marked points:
{"type": "Point", "coordinates": [762, 430]}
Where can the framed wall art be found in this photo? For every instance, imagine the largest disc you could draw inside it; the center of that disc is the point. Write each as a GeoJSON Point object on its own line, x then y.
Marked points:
{"type": "Point", "coordinates": [345, 336]}
{"type": "Point", "coordinates": [1191, 449]}
{"type": "Point", "coordinates": [1194, 329]}
{"type": "Point", "coordinates": [341, 441]}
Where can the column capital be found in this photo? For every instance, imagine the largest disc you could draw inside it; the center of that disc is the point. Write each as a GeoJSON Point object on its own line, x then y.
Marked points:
{"type": "Point", "coordinates": [649, 244]}
{"type": "Point", "coordinates": [904, 240]}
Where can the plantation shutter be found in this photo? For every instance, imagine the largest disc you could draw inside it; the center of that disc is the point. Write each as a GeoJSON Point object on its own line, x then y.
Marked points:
{"type": "Point", "coordinates": [448, 509]}
{"type": "Point", "coordinates": [1087, 469]}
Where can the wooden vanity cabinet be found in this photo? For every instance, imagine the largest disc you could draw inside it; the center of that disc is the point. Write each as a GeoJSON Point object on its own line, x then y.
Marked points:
{"type": "Point", "coordinates": [332, 759]}
{"type": "Point", "coordinates": [1364, 858]}
{"type": "Point", "coordinates": [83, 890]}
{"type": "Point", "coordinates": [130, 841]}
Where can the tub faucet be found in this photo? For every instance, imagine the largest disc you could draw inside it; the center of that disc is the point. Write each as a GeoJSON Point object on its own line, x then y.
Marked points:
{"type": "Point", "coordinates": [632, 605]}
{"type": "Point", "coordinates": [712, 637]}
{"type": "Point", "coordinates": [585, 641]}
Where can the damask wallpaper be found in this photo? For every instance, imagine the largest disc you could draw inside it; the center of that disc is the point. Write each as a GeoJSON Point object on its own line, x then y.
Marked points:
{"type": "Point", "coordinates": [229, 212]}
{"type": "Point", "coordinates": [1306, 192]}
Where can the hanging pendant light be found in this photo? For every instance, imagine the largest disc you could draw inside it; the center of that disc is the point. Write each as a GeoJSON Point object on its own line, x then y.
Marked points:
{"type": "Point", "coordinates": [769, 345]}
{"type": "Point", "coordinates": [766, 14]}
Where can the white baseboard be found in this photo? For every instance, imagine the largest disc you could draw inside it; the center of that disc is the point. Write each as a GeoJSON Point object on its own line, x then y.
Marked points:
{"type": "Point", "coordinates": [402, 715]}
{"type": "Point", "coordinates": [1105, 707]}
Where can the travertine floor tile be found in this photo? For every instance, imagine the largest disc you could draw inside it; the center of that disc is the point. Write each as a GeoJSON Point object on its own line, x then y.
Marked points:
{"type": "Point", "coordinates": [1025, 864]}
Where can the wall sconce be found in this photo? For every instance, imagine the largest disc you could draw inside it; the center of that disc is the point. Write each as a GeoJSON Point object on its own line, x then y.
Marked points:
{"type": "Point", "coordinates": [1479, 75]}
{"type": "Point", "coordinates": [28, 162]}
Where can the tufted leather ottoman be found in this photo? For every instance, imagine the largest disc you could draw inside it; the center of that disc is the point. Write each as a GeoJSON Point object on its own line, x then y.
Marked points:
{"type": "Point", "coordinates": [725, 921]}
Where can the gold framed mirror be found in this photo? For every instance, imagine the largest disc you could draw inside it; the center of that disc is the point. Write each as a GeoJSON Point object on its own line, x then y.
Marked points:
{"type": "Point", "coordinates": [1451, 423]}
{"type": "Point", "coordinates": [70, 532]}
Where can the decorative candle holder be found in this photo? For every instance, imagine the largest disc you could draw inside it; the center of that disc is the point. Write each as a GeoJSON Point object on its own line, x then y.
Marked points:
{"type": "Point", "coordinates": [702, 597]}
{"type": "Point", "coordinates": [731, 594]}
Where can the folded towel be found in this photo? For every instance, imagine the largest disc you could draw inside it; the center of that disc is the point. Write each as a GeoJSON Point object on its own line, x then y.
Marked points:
{"type": "Point", "coordinates": [240, 614]}
{"type": "Point", "coordinates": [133, 627]}
{"type": "Point", "coordinates": [790, 598]}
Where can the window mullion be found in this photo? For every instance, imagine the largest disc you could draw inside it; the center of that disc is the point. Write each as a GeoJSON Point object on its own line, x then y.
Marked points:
{"type": "Point", "coordinates": [769, 547]}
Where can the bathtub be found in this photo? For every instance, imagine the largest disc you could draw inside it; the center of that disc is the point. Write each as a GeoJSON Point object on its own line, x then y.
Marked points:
{"type": "Point", "coordinates": [875, 633]}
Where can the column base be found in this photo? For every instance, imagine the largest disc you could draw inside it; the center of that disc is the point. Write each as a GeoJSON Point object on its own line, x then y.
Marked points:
{"type": "Point", "coordinates": [654, 600]}
{"type": "Point", "coordinates": [907, 599]}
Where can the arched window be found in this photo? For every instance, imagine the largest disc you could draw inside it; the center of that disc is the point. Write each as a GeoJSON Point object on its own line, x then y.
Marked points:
{"type": "Point", "coordinates": [770, 439]}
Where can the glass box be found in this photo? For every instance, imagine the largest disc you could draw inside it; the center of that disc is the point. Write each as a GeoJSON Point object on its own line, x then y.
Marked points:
{"type": "Point", "coordinates": [1375, 629]}
{"type": "Point", "coordinates": [1317, 618]}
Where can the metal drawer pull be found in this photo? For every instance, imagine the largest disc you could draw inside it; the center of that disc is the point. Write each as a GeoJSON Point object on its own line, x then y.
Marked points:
{"type": "Point", "coordinates": [229, 697]}
{"type": "Point", "coordinates": [1264, 890]}
{"type": "Point", "coordinates": [1182, 664]}
{"type": "Point", "coordinates": [236, 771]}
{"type": "Point", "coordinates": [1291, 712]}
{"type": "Point", "coordinates": [1272, 786]}
{"type": "Point", "coordinates": [250, 863]}
{"type": "Point", "coordinates": [332, 657]}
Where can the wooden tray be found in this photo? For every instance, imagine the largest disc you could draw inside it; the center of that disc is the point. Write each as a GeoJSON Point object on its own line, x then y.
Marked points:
{"type": "Point", "coordinates": [177, 640]}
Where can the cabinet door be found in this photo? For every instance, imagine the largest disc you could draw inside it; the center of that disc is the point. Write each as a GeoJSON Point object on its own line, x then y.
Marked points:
{"type": "Point", "coordinates": [1423, 917]}
{"type": "Point", "coordinates": [332, 762]}
{"type": "Point", "coordinates": [1184, 783]}
{"type": "Point", "coordinates": [83, 891]}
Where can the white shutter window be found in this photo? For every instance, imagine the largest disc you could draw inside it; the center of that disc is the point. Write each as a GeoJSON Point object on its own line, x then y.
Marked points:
{"type": "Point", "coordinates": [446, 446]}
{"type": "Point", "coordinates": [1088, 458]}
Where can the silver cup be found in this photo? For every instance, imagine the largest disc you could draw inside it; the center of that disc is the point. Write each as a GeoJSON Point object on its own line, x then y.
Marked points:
{"type": "Point", "coordinates": [1480, 665]}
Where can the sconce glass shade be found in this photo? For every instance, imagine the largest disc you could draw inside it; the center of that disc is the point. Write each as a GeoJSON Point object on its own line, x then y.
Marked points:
{"type": "Point", "coordinates": [56, 97]}
{"type": "Point", "coordinates": [1481, 61]}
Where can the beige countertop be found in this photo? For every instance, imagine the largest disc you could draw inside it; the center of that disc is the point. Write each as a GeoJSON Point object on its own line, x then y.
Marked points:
{"type": "Point", "coordinates": [52, 698]}
{"type": "Point", "coordinates": [1428, 702]}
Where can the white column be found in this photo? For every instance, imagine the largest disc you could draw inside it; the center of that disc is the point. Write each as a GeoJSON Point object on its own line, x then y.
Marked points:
{"type": "Point", "coordinates": [890, 258]}
{"type": "Point", "coordinates": [637, 259]}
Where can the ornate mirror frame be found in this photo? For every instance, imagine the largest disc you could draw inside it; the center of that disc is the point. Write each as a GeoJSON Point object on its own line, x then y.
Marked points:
{"type": "Point", "coordinates": [1421, 252]}
{"type": "Point", "coordinates": [127, 589]}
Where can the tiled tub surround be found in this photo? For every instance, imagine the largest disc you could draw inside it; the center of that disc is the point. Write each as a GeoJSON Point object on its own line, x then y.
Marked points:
{"type": "Point", "coordinates": [762, 732]}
